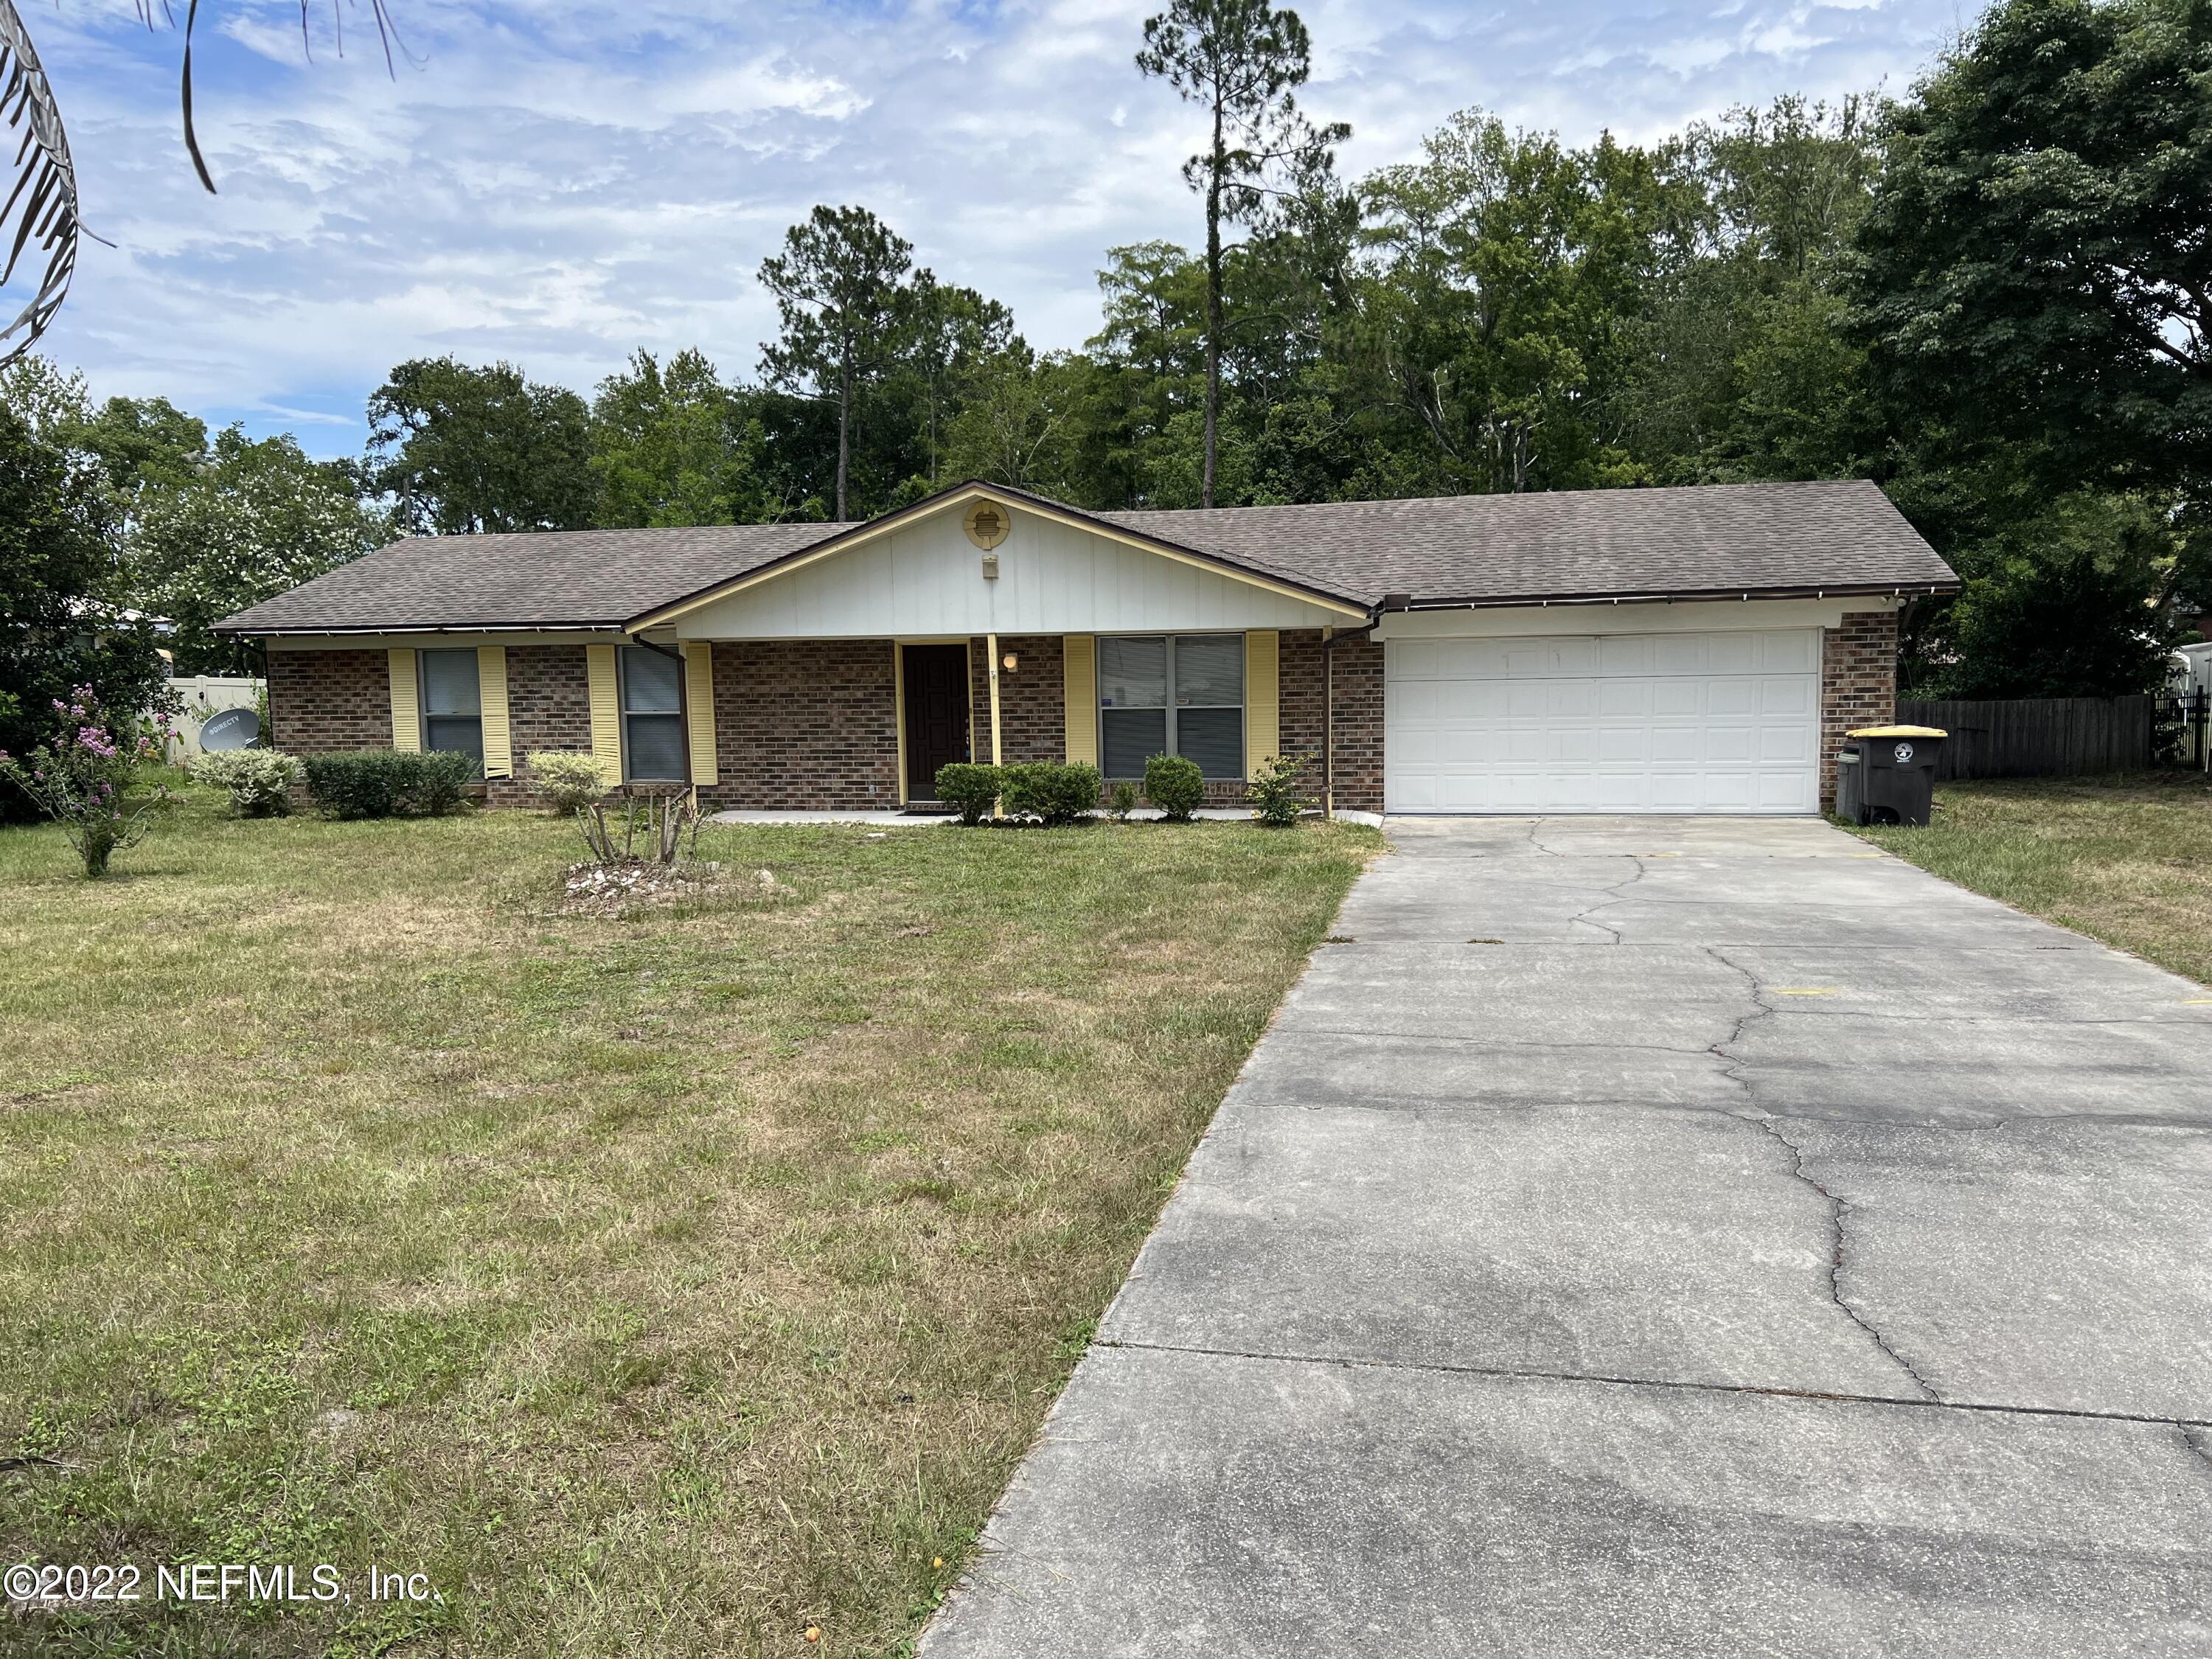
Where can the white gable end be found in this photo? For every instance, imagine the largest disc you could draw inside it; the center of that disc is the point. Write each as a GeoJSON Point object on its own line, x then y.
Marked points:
{"type": "Point", "coordinates": [927, 578]}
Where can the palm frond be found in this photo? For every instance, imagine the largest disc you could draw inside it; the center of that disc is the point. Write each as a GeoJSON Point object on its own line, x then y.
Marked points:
{"type": "Point", "coordinates": [40, 216]}
{"type": "Point", "coordinates": [387, 35]}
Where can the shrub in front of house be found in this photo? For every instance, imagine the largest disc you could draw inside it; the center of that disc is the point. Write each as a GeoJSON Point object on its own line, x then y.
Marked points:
{"type": "Point", "coordinates": [969, 788]}
{"type": "Point", "coordinates": [260, 781]}
{"type": "Point", "coordinates": [1175, 786]}
{"type": "Point", "coordinates": [1122, 801]}
{"type": "Point", "coordinates": [385, 783]}
{"type": "Point", "coordinates": [1274, 793]}
{"type": "Point", "coordinates": [82, 776]}
{"type": "Point", "coordinates": [566, 781]}
{"type": "Point", "coordinates": [1048, 790]}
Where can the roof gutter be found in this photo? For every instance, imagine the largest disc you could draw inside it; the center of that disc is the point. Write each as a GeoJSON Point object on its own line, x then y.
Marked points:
{"type": "Point", "coordinates": [415, 628]}
{"type": "Point", "coordinates": [1539, 601]}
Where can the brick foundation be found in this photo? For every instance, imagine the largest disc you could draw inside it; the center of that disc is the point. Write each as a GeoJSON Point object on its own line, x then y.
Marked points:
{"type": "Point", "coordinates": [804, 725]}
{"type": "Point", "coordinates": [325, 701]}
{"type": "Point", "coordinates": [1858, 685]}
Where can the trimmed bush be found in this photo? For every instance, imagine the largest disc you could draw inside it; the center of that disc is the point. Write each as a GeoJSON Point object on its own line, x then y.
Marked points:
{"type": "Point", "coordinates": [1123, 801]}
{"type": "Point", "coordinates": [384, 783]}
{"type": "Point", "coordinates": [1175, 786]}
{"type": "Point", "coordinates": [1274, 791]}
{"type": "Point", "coordinates": [260, 781]}
{"type": "Point", "coordinates": [969, 788]}
{"type": "Point", "coordinates": [1052, 791]}
{"type": "Point", "coordinates": [567, 783]}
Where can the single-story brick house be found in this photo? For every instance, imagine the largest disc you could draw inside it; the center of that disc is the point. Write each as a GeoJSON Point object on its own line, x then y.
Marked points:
{"type": "Point", "coordinates": [1690, 650]}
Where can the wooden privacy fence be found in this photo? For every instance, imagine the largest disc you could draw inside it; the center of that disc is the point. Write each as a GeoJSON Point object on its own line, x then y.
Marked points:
{"type": "Point", "coordinates": [2037, 737]}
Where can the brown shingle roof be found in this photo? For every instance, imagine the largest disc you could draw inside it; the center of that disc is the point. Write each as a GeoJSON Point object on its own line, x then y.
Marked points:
{"type": "Point", "coordinates": [1597, 544]}
{"type": "Point", "coordinates": [1579, 544]}
{"type": "Point", "coordinates": [524, 580]}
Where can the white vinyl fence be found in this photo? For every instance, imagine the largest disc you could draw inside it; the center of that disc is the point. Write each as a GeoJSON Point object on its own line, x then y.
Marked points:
{"type": "Point", "coordinates": [204, 694]}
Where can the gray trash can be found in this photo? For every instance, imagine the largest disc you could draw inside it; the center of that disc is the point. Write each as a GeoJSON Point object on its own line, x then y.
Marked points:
{"type": "Point", "coordinates": [1886, 775]}
{"type": "Point", "coordinates": [1851, 797]}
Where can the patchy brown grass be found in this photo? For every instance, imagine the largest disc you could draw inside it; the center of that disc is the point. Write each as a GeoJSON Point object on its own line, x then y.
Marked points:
{"type": "Point", "coordinates": [2126, 860]}
{"type": "Point", "coordinates": [667, 1284]}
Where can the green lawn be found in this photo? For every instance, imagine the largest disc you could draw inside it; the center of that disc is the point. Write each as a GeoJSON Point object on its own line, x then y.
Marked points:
{"type": "Point", "coordinates": [2128, 859]}
{"type": "Point", "coordinates": [664, 1285]}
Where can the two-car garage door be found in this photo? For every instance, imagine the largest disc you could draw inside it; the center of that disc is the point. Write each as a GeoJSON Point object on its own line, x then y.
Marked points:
{"type": "Point", "coordinates": [1724, 722]}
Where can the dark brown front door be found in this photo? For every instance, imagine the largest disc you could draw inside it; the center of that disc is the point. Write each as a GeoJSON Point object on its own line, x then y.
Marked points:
{"type": "Point", "coordinates": [936, 714]}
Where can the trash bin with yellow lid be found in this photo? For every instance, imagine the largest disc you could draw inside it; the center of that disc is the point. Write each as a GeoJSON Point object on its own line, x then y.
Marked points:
{"type": "Point", "coordinates": [1887, 774]}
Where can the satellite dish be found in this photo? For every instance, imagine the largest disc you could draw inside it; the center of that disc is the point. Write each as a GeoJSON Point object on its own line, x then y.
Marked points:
{"type": "Point", "coordinates": [234, 728]}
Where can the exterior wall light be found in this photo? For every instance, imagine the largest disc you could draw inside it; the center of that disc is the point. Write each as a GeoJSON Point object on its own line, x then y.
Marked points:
{"type": "Point", "coordinates": [990, 566]}
{"type": "Point", "coordinates": [1011, 662]}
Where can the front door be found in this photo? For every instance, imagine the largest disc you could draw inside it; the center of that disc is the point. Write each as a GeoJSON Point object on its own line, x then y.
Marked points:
{"type": "Point", "coordinates": [936, 714]}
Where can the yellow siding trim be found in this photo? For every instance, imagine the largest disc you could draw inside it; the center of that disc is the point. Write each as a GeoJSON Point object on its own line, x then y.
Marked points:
{"type": "Point", "coordinates": [607, 709]}
{"type": "Point", "coordinates": [1079, 653]}
{"type": "Point", "coordinates": [991, 645]}
{"type": "Point", "coordinates": [491, 698]}
{"type": "Point", "coordinates": [898, 709]}
{"type": "Point", "coordinates": [406, 703]}
{"type": "Point", "coordinates": [1263, 698]}
{"type": "Point", "coordinates": [699, 704]}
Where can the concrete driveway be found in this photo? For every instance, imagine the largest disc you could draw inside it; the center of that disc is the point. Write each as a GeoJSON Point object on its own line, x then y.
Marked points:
{"type": "Point", "coordinates": [1657, 1237]}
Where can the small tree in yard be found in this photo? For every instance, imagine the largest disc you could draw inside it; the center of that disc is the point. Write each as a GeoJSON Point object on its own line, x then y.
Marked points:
{"type": "Point", "coordinates": [80, 778]}
{"type": "Point", "coordinates": [1274, 793]}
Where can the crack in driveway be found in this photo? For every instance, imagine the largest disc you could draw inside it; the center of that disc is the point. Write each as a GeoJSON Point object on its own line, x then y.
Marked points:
{"type": "Point", "coordinates": [1839, 1208]}
{"type": "Point", "coordinates": [1584, 918]}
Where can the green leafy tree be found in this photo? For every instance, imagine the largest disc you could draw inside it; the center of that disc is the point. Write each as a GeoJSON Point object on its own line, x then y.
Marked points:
{"type": "Point", "coordinates": [2037, 263]}
{"type": "Point", "coordinates": [1013, 425]}
{"type": "Point", "coordinates": [2065, 604]}
{"type": "Point", "coordinates": [842, 303]}
{"type": "Point", "coordinates": [1239, 60]}
{"type": "Point", "coordinates": [253, 521]}
{"type": "Point", "coordinates": [1502, 264]}
{"type": "Point", "coordinates": [468, 451]}
{"type": "Point", "coordinates": [955, 339]}
{"type": "Point", "coordinates": [678, 446]}
{"type": "Point", "coordinates": [63, 622]}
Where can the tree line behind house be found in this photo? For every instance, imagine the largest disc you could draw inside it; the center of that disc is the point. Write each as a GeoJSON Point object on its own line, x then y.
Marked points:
{"type": "Point", "coordinates": [1986, 295]}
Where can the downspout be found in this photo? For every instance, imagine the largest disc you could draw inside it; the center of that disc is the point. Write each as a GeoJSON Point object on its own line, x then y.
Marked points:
{"type": "Point", "coordinates": [1330, 639]}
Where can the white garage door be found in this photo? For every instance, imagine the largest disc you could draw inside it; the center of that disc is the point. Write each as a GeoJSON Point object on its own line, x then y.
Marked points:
{"type": "Point", "coordinates": [1612, 723]}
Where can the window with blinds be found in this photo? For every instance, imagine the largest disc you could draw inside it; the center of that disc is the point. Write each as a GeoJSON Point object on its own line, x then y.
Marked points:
{"type": "Point", "coordinates": [452, 703]}
{"type": "Point", "coordinates": [653, 716]}
{"type": "Point", "coordinates": [1172, 694]}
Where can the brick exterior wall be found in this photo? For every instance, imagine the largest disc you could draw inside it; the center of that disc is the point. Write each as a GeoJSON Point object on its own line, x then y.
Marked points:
{"type": "Point", "coordinates": [1858, 685]}
{"type": "Point", "coordinates": [805, 724]}
{"type": "Point", "coordinates": [1032, 700]}
{"type": "Point", "coordinates": [549, 705]}
{"type": "Point", "coordinates": [322, 701]}
{"type": "Point", "coordinates": [1357, 683]}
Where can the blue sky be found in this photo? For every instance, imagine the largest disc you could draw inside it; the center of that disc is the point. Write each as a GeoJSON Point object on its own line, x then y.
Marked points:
{"type": "Point", "coordinates": [562, 181]}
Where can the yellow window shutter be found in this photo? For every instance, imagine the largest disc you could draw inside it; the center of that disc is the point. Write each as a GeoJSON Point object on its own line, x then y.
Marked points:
{"type": "Point", "coordinates": [699, 705]}
{"type": "Point", "coordinates": [1263, 698]}
{"type": "Point", "coordinates": [607, 709]}
{"type": "Point", "coordinates": [406, 703]}
{"type": "Point", "coordinates": [1079, 653]}
{"type": "Point", "coordinates": [491, 697]}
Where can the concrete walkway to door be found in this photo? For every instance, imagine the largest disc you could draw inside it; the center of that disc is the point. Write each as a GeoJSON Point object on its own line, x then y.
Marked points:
{"type": "Point", "coordinates": [1662, 1236]}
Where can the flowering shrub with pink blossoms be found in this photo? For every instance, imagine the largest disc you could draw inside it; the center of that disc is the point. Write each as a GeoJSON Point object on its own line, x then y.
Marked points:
{"type": "Point", "coordinates": [80, 776]}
